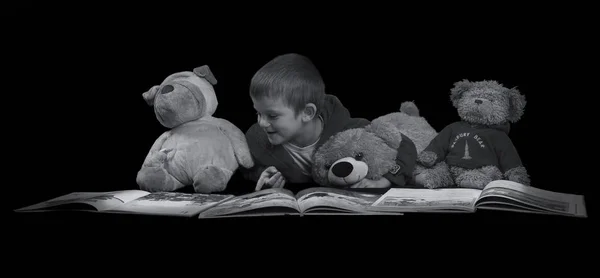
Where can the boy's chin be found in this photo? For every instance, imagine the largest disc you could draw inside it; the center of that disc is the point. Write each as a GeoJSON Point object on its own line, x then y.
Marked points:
{"type": "Point", "coordinates": [275, 140]}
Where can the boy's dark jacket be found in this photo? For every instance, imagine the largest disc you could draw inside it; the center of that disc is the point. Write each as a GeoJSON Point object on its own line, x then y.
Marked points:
{"type": "Point", "coordinates": [336, 118]}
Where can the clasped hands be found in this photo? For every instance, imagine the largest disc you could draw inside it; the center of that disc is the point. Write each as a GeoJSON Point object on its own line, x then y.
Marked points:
{"type": "Point", "coordinates": [271, 177]}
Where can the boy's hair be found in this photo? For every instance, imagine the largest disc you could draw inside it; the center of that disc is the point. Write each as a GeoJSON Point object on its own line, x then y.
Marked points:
{"type": "Point", "coordinates": [292, 77]}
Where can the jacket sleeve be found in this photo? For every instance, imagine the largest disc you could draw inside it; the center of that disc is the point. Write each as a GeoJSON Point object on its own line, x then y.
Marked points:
{"type": "Point", "coordinates": [337, 114]}
{"type": "Point", "coordinates": [406, 159]}
{"type": "Point", "coordinates": [356, 123]}
{"type": "Point", "coordinates": [253, 173]}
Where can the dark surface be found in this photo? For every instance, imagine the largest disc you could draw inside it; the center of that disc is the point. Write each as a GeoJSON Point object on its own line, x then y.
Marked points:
{"type": "Point", "coordinates": [484, 229]}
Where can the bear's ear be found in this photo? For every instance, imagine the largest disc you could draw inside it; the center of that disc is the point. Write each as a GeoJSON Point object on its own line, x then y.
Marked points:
{"type": "Point", "coordinates": [386, 131]}
{"type": "Point", "coordinates": [516, 104]}
{"type": "Point", "coordinates": [320, 170]}
{"type": "Point", "coordinates": [150, 95]}
{"type": "Point", "coordinates": [204, 72]}
{"type": "Point", "coordinates": [459, 88]}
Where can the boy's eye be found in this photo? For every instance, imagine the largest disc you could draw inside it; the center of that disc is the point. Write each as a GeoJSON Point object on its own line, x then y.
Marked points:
{"type": "Point", "coordinates": [269, 115]}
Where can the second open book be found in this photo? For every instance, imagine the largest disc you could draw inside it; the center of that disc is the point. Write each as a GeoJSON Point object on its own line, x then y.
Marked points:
{"type": "Point", "coordinates": [311, 201]}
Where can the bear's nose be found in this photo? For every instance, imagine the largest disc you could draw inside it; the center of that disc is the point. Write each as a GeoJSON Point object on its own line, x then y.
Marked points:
{"type": "Point", "coordinates": [167, 89]}
{"type": "Point", "coordinates": [342, 169]}
{"type": "Point", "coordinates": [478, 101]}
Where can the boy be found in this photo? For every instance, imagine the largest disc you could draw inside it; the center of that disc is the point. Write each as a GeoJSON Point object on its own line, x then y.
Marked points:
{"type": "Point", "coordinates": [295, 117]}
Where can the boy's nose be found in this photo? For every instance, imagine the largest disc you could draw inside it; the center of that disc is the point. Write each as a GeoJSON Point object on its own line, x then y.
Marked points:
{"type": "Point", "coordinates": [262, 123]}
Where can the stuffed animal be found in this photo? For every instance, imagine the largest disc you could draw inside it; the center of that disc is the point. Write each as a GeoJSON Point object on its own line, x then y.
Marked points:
{"type": "Point", "coordinates": [477, 148]}
{"type": "Point", "coordinates": [371, 151]}
{"type": "Point", "coordinates": [198, 150]}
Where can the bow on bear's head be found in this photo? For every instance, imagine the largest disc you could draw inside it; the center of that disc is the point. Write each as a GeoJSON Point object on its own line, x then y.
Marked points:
{"type": "Point", "coordinates": [183, 97]}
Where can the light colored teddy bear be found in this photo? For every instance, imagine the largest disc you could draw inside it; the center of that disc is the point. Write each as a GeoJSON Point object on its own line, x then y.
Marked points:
{"type": "Point", "coordinates": [198, 150]}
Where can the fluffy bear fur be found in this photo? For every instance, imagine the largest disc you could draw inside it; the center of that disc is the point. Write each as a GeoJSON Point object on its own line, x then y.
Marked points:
{"type": "Point", "coordinates": [371, 151]}
{"type": "Point", "coordinates": [476, 150]}
{"type": "Point", "coordinates": [198, 150]}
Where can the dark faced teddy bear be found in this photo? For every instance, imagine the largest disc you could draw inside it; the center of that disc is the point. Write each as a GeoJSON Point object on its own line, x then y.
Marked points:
{"type": "Point", "coordinates": [199, 150]}
{"type": "Point", "coordinates": [477, 149]}
{"type": "Point", "coordinates": [387, 146]}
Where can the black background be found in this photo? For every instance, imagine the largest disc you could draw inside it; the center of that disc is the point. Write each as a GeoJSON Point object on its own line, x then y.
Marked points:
{"type": "Point", "coordinates": [77, 120]}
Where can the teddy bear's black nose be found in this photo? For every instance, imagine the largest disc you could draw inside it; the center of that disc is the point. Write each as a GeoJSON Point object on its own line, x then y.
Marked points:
{"type": "Point", "coordinates": [167, 89]}
{"type": "Point", "coordinates": [342, 169]}
{"type": "Point", "coordinates": [478, 101]}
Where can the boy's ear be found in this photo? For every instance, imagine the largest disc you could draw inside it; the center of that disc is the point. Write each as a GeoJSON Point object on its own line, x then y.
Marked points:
{"type": "Point", "coordinates": [310, 111]}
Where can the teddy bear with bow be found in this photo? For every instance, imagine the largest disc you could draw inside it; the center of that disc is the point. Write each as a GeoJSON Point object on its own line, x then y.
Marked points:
{"type": "Point", "coordinates": [387, 147]}
{"type": "Point", "coordinates": [476, 149]}
{"type": "Point", "coordinates": [198, 150]}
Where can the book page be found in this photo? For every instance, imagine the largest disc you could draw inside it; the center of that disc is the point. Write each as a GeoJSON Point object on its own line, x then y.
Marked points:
{"type": "Point", "coordinates": [546, 200]}
{"type": "Point", "coordinates": [129, 195]}
{"type": "Point", "coordinates": [172, 203]}
{"type": "Point", "coordinates": [416, 199]}
{"type": "Point", "coordinates": [334, 200]}
{"type": "Point", "coordinates": [97, 201]}
{"type": "Point", "coordinates": [273, 200]}
{"type": "Point", "coordinates": [498, 203]}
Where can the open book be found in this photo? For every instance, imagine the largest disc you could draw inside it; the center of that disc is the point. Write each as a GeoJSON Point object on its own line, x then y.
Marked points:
{"type": "Point", "coordinates": [497, 195]}
{"type": "Point", "coordinates": [280, 201]}
{"type": "Point", "coordinates": [132, 202]}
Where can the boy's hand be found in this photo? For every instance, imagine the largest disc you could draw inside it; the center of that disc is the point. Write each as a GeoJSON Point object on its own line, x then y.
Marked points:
{"type": "Point", "coordinates": [270, 177]}
{"type": "Point", "coordinates": [367, 183]}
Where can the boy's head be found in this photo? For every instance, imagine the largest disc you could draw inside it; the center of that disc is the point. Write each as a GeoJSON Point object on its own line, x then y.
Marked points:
{"type": "Point", "coordinates": [287, 93]}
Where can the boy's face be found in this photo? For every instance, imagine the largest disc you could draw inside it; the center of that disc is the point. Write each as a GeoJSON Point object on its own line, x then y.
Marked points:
{"type": "Point", "coordinates": [277, 120]}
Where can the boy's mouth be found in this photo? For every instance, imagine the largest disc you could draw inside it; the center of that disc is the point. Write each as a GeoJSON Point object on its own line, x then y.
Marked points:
{"type": "Point", "coordinates": [270, 132]}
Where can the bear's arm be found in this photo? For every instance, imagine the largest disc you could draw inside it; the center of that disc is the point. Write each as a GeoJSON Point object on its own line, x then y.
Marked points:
{"type": "Point", "coordinates": [439, 144]}
{"type": "Point", "coordinates": [508, 156]}
{"type": "Point", "coordinates": [406, 160]}
{"type": "Point", "coordinates": [156, 147]}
